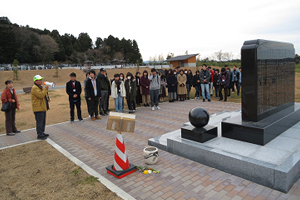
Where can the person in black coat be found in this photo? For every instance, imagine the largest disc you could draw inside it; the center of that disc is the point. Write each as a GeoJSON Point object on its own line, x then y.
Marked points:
{"type": "Point", "coordinates": [171, 83]}
{"type": "Point", "coordinates": [224, 82]}
{"type": "Point", "coordinates": [216, 81]}
{"type": "Point", "coordinates": [138, 88]}
{"type": "Point", "coordinates": [196, 84]}
{"type": "Point", "coordinates": [93, 90]}
{"type": "Point", "coordinates": [73, 89]}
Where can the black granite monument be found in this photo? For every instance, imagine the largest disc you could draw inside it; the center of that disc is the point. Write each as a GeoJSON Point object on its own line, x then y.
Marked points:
{"type": "Point", "coordinates": [199, 131]}
{"type": "Point", "coordinates": [268, 93]}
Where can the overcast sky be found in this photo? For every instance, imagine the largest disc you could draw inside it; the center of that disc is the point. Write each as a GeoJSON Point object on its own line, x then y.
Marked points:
{"type": "Point", "coordinates": [163, 26]}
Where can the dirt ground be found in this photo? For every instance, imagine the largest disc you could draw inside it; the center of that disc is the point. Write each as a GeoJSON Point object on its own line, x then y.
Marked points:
{"type": "Point", "coordinates": [38, 171]}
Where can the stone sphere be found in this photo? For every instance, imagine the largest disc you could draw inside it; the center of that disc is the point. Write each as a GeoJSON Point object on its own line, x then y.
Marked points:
{"type": "Point", "coordinates": [198, 117]}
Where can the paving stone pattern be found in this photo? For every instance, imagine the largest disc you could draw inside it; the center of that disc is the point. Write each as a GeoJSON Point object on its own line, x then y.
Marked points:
{"type": "Point", "coordinates": [180, 178]}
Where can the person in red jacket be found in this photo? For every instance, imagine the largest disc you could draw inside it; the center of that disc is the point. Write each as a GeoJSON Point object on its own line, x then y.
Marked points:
{"type": "Point", "coordinates": [145, 88]}
{"type": "Point", "coordinates": [9, 94]}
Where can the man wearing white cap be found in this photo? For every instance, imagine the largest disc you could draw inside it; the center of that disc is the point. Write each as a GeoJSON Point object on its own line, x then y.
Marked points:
{"type": "Point", "coordinates": [39, 100]}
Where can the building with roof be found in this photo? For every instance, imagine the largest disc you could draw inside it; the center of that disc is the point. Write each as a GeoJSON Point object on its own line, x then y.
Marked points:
{"type": "Point", "coordinates": [183, 61]}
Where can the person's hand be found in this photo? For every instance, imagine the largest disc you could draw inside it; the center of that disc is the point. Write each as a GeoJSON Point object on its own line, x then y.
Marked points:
{"type": "Point", "coordinates": [47, 87]}
{"type": "Point", "coordinates": [204, 81]}
{"type": "Point", "coordinates": [90, 98]}
{"type": "Point", "coordinates": [198, 81]}
{"type": "Point", "coordinates": [146, 86]}
{"type": "Point", "coordinates": [99, 97]}
{"type": "Point", "coordinates": [173, 85]}
{"type": "Point", "coordinates": [75, 96]}
{"type": "Point", "coordinates": [13, 100]}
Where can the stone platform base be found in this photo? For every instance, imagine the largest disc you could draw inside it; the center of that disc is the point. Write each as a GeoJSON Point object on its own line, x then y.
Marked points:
{"type": "Point", "coordinates": [275, 165]}
{"type": "Point", "coordinates": [263, 131]}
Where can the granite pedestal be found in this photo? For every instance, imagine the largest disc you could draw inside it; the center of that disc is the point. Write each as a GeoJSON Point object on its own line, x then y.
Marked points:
{"type": "Point", "coordinates": [263, 131]}
{"type": "Point", "coordinates": [199, 134]}
{"type": "Point", "coordinates": [275, 165]}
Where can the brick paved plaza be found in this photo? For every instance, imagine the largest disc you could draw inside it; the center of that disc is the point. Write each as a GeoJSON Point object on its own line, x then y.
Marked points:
{"type": "Point", "coordinates": [180, 178]}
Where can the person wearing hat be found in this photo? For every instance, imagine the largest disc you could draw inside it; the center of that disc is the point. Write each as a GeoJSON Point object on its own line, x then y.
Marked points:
{"type": "Point", "coordinates": [105, 87]}
{"type": "Point", "coordinates": [73, 89]}
{"type": "Point", "coordinates": [39, 100]}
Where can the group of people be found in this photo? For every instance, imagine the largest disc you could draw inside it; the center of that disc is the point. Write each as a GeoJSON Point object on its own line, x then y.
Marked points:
{"type": "Point", "coordinates": [179, 82]}
{"type": "Point", "coordinates": [142, 89]}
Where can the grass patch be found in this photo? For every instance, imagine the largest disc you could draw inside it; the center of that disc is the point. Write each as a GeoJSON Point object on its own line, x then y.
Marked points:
{"type": "Point", "coordinates": [76, 171]}
{"type": "Point", "coordinates": [84, 180]}
{"type": "Point", "coordinates": [297, 68]}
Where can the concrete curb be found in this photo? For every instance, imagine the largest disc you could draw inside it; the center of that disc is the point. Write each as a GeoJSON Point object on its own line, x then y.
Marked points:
{"type": "Point", "coordinates": [18, 144]}
{"type": "Point", "coordinates": [121, 193]}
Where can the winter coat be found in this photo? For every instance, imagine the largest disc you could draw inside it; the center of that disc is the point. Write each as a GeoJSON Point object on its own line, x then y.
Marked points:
{"type": "Point", "coordinates": [104, 82]}
{"type": "Point", "coordinates": [188, 78]}
{"type": "Point", "coordinates": [196, 80]}
{"type": "Point", "coordinates": [90, 93]}
{"type": "Point", "coordinates": [224, 79]}
{"type": "Point", "coordinates": [235, 75]}
{"type": "Point", "coordinates": [212, 73]}
{"type": "Point", "coordinates": [39, 96]}
{"type": "Point", "coordinates": [181, 84]}
{"type": "Point", "coordinates": [171, 80]}
{"type": "Point", "coordinates": [205, 75]}
{"type": "Point", "coordinates": [130, 90]}
{"type": "Point", "coordinates": [6, 94]}
{"type": "Point", "coordinates": [216, 80]}
{"type": "Point", "coordinates": [145, 82]}
{"type": "Point", "coordinates": [70, 90]}
{"type": "Point", "coordinates": [114, 90]}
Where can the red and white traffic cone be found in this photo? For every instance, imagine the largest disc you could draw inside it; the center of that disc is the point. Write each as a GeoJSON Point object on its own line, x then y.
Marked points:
{"type": "Point", "coordinates": [121, 166]}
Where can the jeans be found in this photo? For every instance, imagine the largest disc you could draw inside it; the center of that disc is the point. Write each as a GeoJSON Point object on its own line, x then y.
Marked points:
{"type": "Point", "coordinates": [122, 103]}
{"type": "Point", "coordinates": [118, 103]}
{"type": "Point", "coordinates": [154, 96]}
{"type": "Point", "coordinates": [205, 89]}
{"type": "Point", "coordinates": [211, 88]}
{"type": "Point", "coordinates": [197, 91]}
{"type": "Point", "coordinates": [238, 87]}
{"type": "Point", "coordinates": [72, 105]}
{"type": "Point", "coordinates": [188, 89]}
{"type": "Point", "coordinates": [216, 91]}
{"type": "Point", "coordinates": [40, 118]}
{"type": "Point", "coordinates": [103, 101]}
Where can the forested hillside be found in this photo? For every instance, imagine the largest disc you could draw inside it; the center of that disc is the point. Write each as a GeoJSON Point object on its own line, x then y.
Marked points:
{"type": "Point", "coordinates": [31, 45]}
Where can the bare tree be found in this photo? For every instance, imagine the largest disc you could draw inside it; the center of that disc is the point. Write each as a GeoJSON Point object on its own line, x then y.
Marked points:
{"type": "Point", "coordinates": [56, 69]}
{"type": "Point", "coordinates": [170, 55]}
{"type": "Point", "coordinates": [15, 69]}
{"type": "Point", "coordinates": [218, 55]}
{"type": "Point", "coordinates": [161, 58]}
{"type": "Point", "coordinates": [48, 47]}
{"type": "Point", "coordinates": [155, 58]}
{"type": "Point", "coordinates": [198, 58]}
{"type": "Point", "coordinates": [227, 56]}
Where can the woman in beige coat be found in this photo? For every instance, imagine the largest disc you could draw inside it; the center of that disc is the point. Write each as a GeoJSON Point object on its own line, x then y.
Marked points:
{"type": "Point", "coordinates": [181, 88]}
